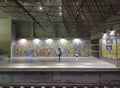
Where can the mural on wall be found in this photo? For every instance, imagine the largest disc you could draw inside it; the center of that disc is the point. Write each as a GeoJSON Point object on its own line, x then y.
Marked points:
{"type": "Point", "coordinates": [49, 47]}
{"type": "Point", "coordinates": [109, 48]}
{"type": "Point", "coordinates": [45, 47]}
{"type": "Point", "coordinates": [25, 48]}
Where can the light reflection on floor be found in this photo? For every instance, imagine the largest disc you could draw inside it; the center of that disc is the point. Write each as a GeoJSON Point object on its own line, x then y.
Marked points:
{"type": "Point", "coordinates": [53, 62]}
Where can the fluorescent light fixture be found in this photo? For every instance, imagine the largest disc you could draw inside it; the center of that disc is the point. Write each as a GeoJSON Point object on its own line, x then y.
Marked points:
{"type": "Point", "coordinates": [77, 40]}
{"type": "Point", "coordinates": [49, 41]}
{"type": "Point", "coordinates": [22, 41]}
{"type": "Point", "coordinates": [32, 87]}
{"type": "Point", "coordinates": [11, 87]}
{"type": "Point", "coordinates": [21, 86]}
{"type": "Point", "coordinates": [42, 86]}
{"type": "Point", "coordinates": [64, 87]}
{"type": "Point", "coordinates": [62, 40]}
{"type": "Point", "coordinates": [53, 87]}
{"type": "Point", "coordinates": [36, 41]}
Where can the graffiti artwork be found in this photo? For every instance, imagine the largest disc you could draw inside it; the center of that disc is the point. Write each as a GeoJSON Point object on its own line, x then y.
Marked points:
{"type": "Point", "coordinates": [25, 48]}
{"type": "Point", "coordinates": [50, 48]}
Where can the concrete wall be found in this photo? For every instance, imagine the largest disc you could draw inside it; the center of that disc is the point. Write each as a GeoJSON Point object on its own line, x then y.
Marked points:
{"type": "Point", "coordinates": [23, 29]}
{"type": "Point", "coordinates": [69, 78]}
{"type": "Point", "coordinates": [5, 35]}
{"type": "Point", "coordinates": [29, 29]}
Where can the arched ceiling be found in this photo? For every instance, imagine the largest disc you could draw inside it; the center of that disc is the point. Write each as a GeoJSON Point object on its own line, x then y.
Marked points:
{"type": "Point", "coordinates": [78, 16]}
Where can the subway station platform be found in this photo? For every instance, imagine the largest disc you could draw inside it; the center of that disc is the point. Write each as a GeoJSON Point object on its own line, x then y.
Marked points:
{"type": "Point", "coordinates": [53, 64]}
{"type": "Point", "coordinates": [48, 71]}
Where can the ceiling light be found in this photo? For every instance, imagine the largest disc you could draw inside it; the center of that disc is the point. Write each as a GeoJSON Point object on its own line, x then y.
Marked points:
{"type": "Point", "coordinates": [60, 13]}
{"type": "Point", "coordinates": [40, 8]}
{"type": "Point", "coordinates": [60, 8]}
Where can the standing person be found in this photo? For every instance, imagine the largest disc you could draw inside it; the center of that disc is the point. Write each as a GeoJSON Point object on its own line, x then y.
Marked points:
{"type": "Point", "coordinates": [60, 53]}
{"type": "Point", "coordinates": [76, 56]}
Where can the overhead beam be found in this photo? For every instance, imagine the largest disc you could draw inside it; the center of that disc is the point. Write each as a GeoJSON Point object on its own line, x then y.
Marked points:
{"type": "Point", "coordinates": [51, 6]}
{"type": "Point", "coordinates": [70, 11]}
{"type": "Point", "coordinates": [45, 11]}
{"type": "Point", "coordinates": [91, 14]}
{"type": "Point", "coordinates": [56, 9]}
{"type": "Point", "coordinates": [68, 4]}
{"type": "Point", "coordinates": [27, 12]}
{"type": "Point", "coordinates": [66, 14]}
{"type": "Point", "coordinates": [99, 10]}
{"type": "Point", "coordinates": [78, 10]}
{"type": "Point", "coordinates": [112, 9]}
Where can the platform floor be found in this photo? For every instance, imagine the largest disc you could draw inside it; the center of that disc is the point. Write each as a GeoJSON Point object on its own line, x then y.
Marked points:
{"type": "Point", "coordinates": [54, 63]}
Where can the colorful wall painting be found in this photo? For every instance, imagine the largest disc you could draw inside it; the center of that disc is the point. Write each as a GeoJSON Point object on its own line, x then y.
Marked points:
{"type": "Point", "coordinates": [49, 47]}
{"type": "Point", "coordinates": [25, 48]}
{"type": "Point", "coordinates": [109, 48]}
